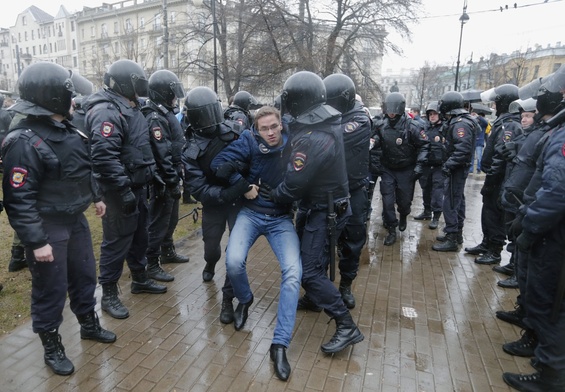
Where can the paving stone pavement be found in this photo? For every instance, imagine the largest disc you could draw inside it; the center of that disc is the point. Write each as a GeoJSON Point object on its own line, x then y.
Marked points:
{"type": "Point", "coordinates": [428, 320]}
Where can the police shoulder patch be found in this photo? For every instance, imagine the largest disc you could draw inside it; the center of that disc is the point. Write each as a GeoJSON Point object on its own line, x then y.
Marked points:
{"type": "Point", "coordinates": [299, 161]}
{"type": "Point", "coordinates": [460, 132]}
{"type": "Point", "coordinates": [157, 133]}
{"type": "Point", "coordinates": [507, 136]}
{"type": "Point", "coordinates": [351, 126]}
{"type": "Point", "coordinates": [423, 134]}
{"type": "Point", "coordinates": [107, 129]}
{"type": "Point", "coordinates": [18, 177]}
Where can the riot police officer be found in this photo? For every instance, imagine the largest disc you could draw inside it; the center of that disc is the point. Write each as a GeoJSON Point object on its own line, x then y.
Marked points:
{"type": "Point", "coordinates": [238, 110]}
{"type": "Point", "coordinates": [504, 129]}
{"type": "Point", "coordinates": [356, 128]}
{"type": "Point", "coordinates": [47, 187]}
{"type": "Point", "coordinates": [207, 135]}
{"type": "Point", "coordinates": [167, 141]}
{"type": "Point", "coordinates": [402, 146]}
{"type": "Point", "coordinates": [316, 176]}
{"type": "Point", "coordinates": [460, 131]}
{"type": "Point", "coordinates": [123, 165]}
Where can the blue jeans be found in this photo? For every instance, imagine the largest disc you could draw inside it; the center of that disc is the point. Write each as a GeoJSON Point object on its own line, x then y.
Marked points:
{"type": "Point", "coordinates": [280, 232]}
{"type": "Point", "coordinates": [478, 156]}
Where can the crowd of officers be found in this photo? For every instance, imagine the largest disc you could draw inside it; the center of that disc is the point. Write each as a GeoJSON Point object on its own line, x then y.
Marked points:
{"type": "Point", "coordinates": [311, 159]}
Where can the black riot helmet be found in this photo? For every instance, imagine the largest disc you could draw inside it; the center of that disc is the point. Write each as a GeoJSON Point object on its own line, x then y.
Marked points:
{"type": "Point", "coordinates": [502, 95]}
{"type": "Point", "coordinates": [164, 88]}
{"type": "Point", "coordinates": [302, 91]}
{"type": "Point", "coordinates": [340, 92]}
{"type": "Point", "coordinates": [203, 110]}
{"type": "Point", "coordinates": [83, 86]}
{"type": "Point", "coordinates": [556, 82]}
{"type": "Point", "coordinates": [394, 103]}
{"type": "Point", "coordinates": [127, 78]}
{"type": "Point", "coordinates": [449, 102]}
{"type": "Point", "coordinates": [47, 85]}
{"type": "Point", "coordinates": [246, 101]}
{"type": "Point", "coordinates": [433, 106]}
{"type": "Point", "coordinates": [277, 102]}
{"type": "Point", "coordinates": [522, 105]}
{"type": "Point", "coordinates": [548, 102]}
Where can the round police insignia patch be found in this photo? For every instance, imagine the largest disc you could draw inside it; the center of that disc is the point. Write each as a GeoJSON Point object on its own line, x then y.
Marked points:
{"type": "Point", "coordinates": [399, 141]}
{"type": "Point", "coordinates": [437, 139]}
{"type": "Point", "coordinates": [299, 161]}
{"type": "Point", "coordinates": [264, 149]}
{"type": "Point", "coordinates": [107, 129]}
{"type": "Point", "coordinates": [157, 133]}
{"type": "Point", "coordinates": [18, 177]}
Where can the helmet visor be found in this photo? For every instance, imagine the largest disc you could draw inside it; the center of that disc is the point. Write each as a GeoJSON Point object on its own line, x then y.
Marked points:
{"type": "Point", "coordinates": [556, 82]}
{"type": "Point", "coordinates": [140, 85]}
{"type": "Point", "coordinates": [205, 116]}
{"type": "Point", "coordinates": [177, 89]}
{"type": "Point", "coordinates": [488, 96]}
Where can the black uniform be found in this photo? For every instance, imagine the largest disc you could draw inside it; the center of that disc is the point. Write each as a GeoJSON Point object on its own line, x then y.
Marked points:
{"type": "Point", "coordinates": [432, 179]}
{"type": "Point", "coordinates": [356, 127]}
{"type": "Point", "coordinates": [401, 146]}
{"type": "Point", "coordinates": [122, 160]}
{"type": "Point", "coordinates": [47, 186]}
{"type": "Point", "coordinates": [167, 141]}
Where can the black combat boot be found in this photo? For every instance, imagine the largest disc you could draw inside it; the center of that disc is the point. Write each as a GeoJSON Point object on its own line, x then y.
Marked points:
{"type": "Point", "coordinates": [515, 317]}
{"type": "Point", "coordinates": [169, 255]}
{"type": "Point", "coordinates": [111, 303]}
{"type": "Point", "coordinates": [18, 260]}
{"type": "Point", "coordinates": [305, 303]}
{"type": "Point", "coordinates": [391, 237]}
{"type": "Point", "coordinates": [509, 283]}
{"type": "Point", "coordinates": [426, 215]}
{"type": "Point", "coordinates": [435, 220]}
{"type": "Point", "coordinates": [54, 355]}
{"type": "Point", "coordinates": [545, 379]}
{"type": "Point", "coordinates": [140, 283]}
{"type": "Point", "coordinates": [402, 223]}
{"type": "Point", "coordinates": [346, 294]}
{"type": "Point", "coordinates": [155, 271]}
{"type": "Point", "coordinates": [346, 334]}
{"type": "Point", "coordinates": [208, 272]}
{"type": "Point", "coordinates": [506, 269]}
{"type": "Point", "coordinates": [479, 249]}
{"type": "Point", "coordinates": [492, 256]}
{"type": "Point", "coordinates": [90, 328]}
{"type": "Point", "coordinates": [458, 237]}
{"type": "Point", "coordinates": [226, 314]}
{"type": "Point", "coordinates": [449, 245]}
{"type": "Point", "coordinates": [523, 347]}
{"type": "Point", "coordinates": [187, 198]}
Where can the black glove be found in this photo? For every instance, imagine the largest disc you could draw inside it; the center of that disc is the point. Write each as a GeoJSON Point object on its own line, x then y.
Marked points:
{"type": "Point", "coordinates": [525, 241]}
{"type": "Point", "coordinates": [418, 171]}
{"type": "Point", "coordinates": [487, 190]}
{"type": "Point", "coordinates": [175, 191]}
{"type": "Point", "coordinates": [233, 192]}
{"type": "Point", "coordinates": [265, 191]}
{"type": "Point", "coordinates": [509, 151]}
{"type": "Point", "coordinates": [129, 202]}
{"type": "Point", "coordinates": [515, 228]}
{"type": "Point", "coordinates": [446, 171]}
{"type": "Point", "coordinates": [225, 170]}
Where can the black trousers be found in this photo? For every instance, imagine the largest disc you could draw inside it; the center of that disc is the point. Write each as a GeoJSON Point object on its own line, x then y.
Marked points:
{"type": "Point", "coordinates": [454, 200]}
{"type": "Point", "coordinates": [397, 186]}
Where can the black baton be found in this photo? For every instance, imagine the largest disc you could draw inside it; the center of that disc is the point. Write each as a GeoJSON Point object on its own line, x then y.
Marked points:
{"type": "Point", "coordinates": [331, 234]}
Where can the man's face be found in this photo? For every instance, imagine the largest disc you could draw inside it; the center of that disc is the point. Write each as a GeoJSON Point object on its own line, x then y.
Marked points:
{"type": "Point", "coordinates": [527, 119]}
{"type": "Point", "coordinates": [270, 129]}
{"type": "Point", "coordinates": [391, 115]}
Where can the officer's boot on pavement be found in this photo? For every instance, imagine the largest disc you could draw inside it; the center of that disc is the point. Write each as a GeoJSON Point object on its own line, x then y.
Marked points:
{"type": "Point", "coordinates": [480, 249]}
{"type": "Point", "coordinates": [545, 379]}
{"type": "Point", "coordinates": [435, 220]}
{"type": "Point", "coordinates": [449, 245]}
{"type": "Point", "coordinates": [426, 215]}
{"type": "Point", "coordinates": [402, 223]}
{"type": "Point", "coordinates": [169, 255]}
{"type": "Point", "coordinates": [492, 256]}
{"type": "Point", "coordinates": [140, 283]}
{"type": "Point", "coordinates": [346, 334]}
{"type": "Point", "coordinates": [508, 283]}
{"type": "Point", "coordinates": [111, 303]}
{"type": "Point", "coordinates": [18, 259]}
{"type": "Point", "coordinates": [54, 353]}
{"type": "Point", "coordinates": [506, 269]}
{"type": "Point", "coordinates": [459, 237]}
{"type": "Point", "coordinates": [155, 271]}
{"type": "Point", "coordinates": [523, 347]}
{"type": "Point", "coordinates": [209, 271]}
{"type": "Point", "coordinates": [515, 316]}
{"type": "Point", "coordinates": [91, 329]}
{"type": "Point", "coordinates": [226, 314]}
{"type": "Point", "coordinates": [346, 294]}
{"type": "Point", "coordinates": [391, 237]}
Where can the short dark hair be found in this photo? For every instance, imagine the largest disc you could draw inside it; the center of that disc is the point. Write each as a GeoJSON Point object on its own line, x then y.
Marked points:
{"type": "Point", "coordinates": [266, 111]}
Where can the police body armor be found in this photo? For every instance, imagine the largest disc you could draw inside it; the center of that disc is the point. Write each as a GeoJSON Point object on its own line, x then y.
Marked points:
{"type": "Point", "coordinates": [399, 152]}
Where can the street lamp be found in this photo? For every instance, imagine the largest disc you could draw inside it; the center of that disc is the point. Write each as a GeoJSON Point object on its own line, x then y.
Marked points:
{"type": "Point", "coordinates": [463, 19]}
{"type": "Point", "coordinates": [199, 3]}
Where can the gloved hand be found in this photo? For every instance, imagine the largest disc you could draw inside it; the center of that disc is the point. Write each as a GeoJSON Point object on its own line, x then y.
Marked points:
{"type": "Point", "coordinates": [509, 151]}
{"type": "Point", "coordinates": [515, 228]}
{"type": "Point", "coordinates": [129, 202]}
{"type": "Point", "coordinates": [175, 191]}
{"type": "Point", "coordinates": [233, 192]}
{"type": "Point", "coordinates": [418, 171]}
{"type": "Point", "coordinates": [445, 171]}
{"type": "Point", "coordinates": [525, 241]}
{"type": "Point", "coordinates": [487, 190]}
{"type": "Point", "coordinates": [225, 170]}
{"type": "Point", "coordinates": [265, 191]}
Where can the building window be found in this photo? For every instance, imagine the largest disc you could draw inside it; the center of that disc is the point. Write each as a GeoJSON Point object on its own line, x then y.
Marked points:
{"type": "Point", "coordinates": [74, 44]}
{"type": "Point", "coordinates": [104, 29]}
{"type": "Point", "coordinates": [72, 25]}
{"type": "Point", "coordinates": [25, 35]}
{"type": "Point", "coordinates": [75, 62]}
{"type": "Point", "coordinates": [536, 71]}
{"type": "Point", "coordinates": [142, 23]}
{"type": "Point", "coordinates": [116, 29]}
{"type": "Point", "coordinates": [32, 35]}
{"type": "Point", "coordinates": [157, 22]}
{"type": "Point", "coordinates": [173, 17]}
{"type": "Point", "coordinates": [129, 27]}
{"type": "Point", "coordinates": [92, 31]}
{"type": "Point", "coordinates": [33, 50]}
{"type": "Point", "coordinates": [24, 20]}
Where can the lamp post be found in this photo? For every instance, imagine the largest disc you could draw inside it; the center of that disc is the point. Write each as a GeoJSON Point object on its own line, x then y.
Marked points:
{"type": "Point", "coordinates": [165, 36]}
{"type": "Point", "coordinates": [463, 19]}
{"type": "Point", "coordinates": [214, 28]}
{"type": "Point", "coordinates": [470, 64]}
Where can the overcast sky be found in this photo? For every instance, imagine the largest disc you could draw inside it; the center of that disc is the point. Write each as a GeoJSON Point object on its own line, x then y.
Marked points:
{"type": "Point", "coordinates": [436, 37]}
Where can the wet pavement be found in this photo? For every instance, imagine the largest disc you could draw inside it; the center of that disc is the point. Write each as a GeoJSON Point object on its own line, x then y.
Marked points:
{"type": "Point", "coordinates": [428, 320]}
